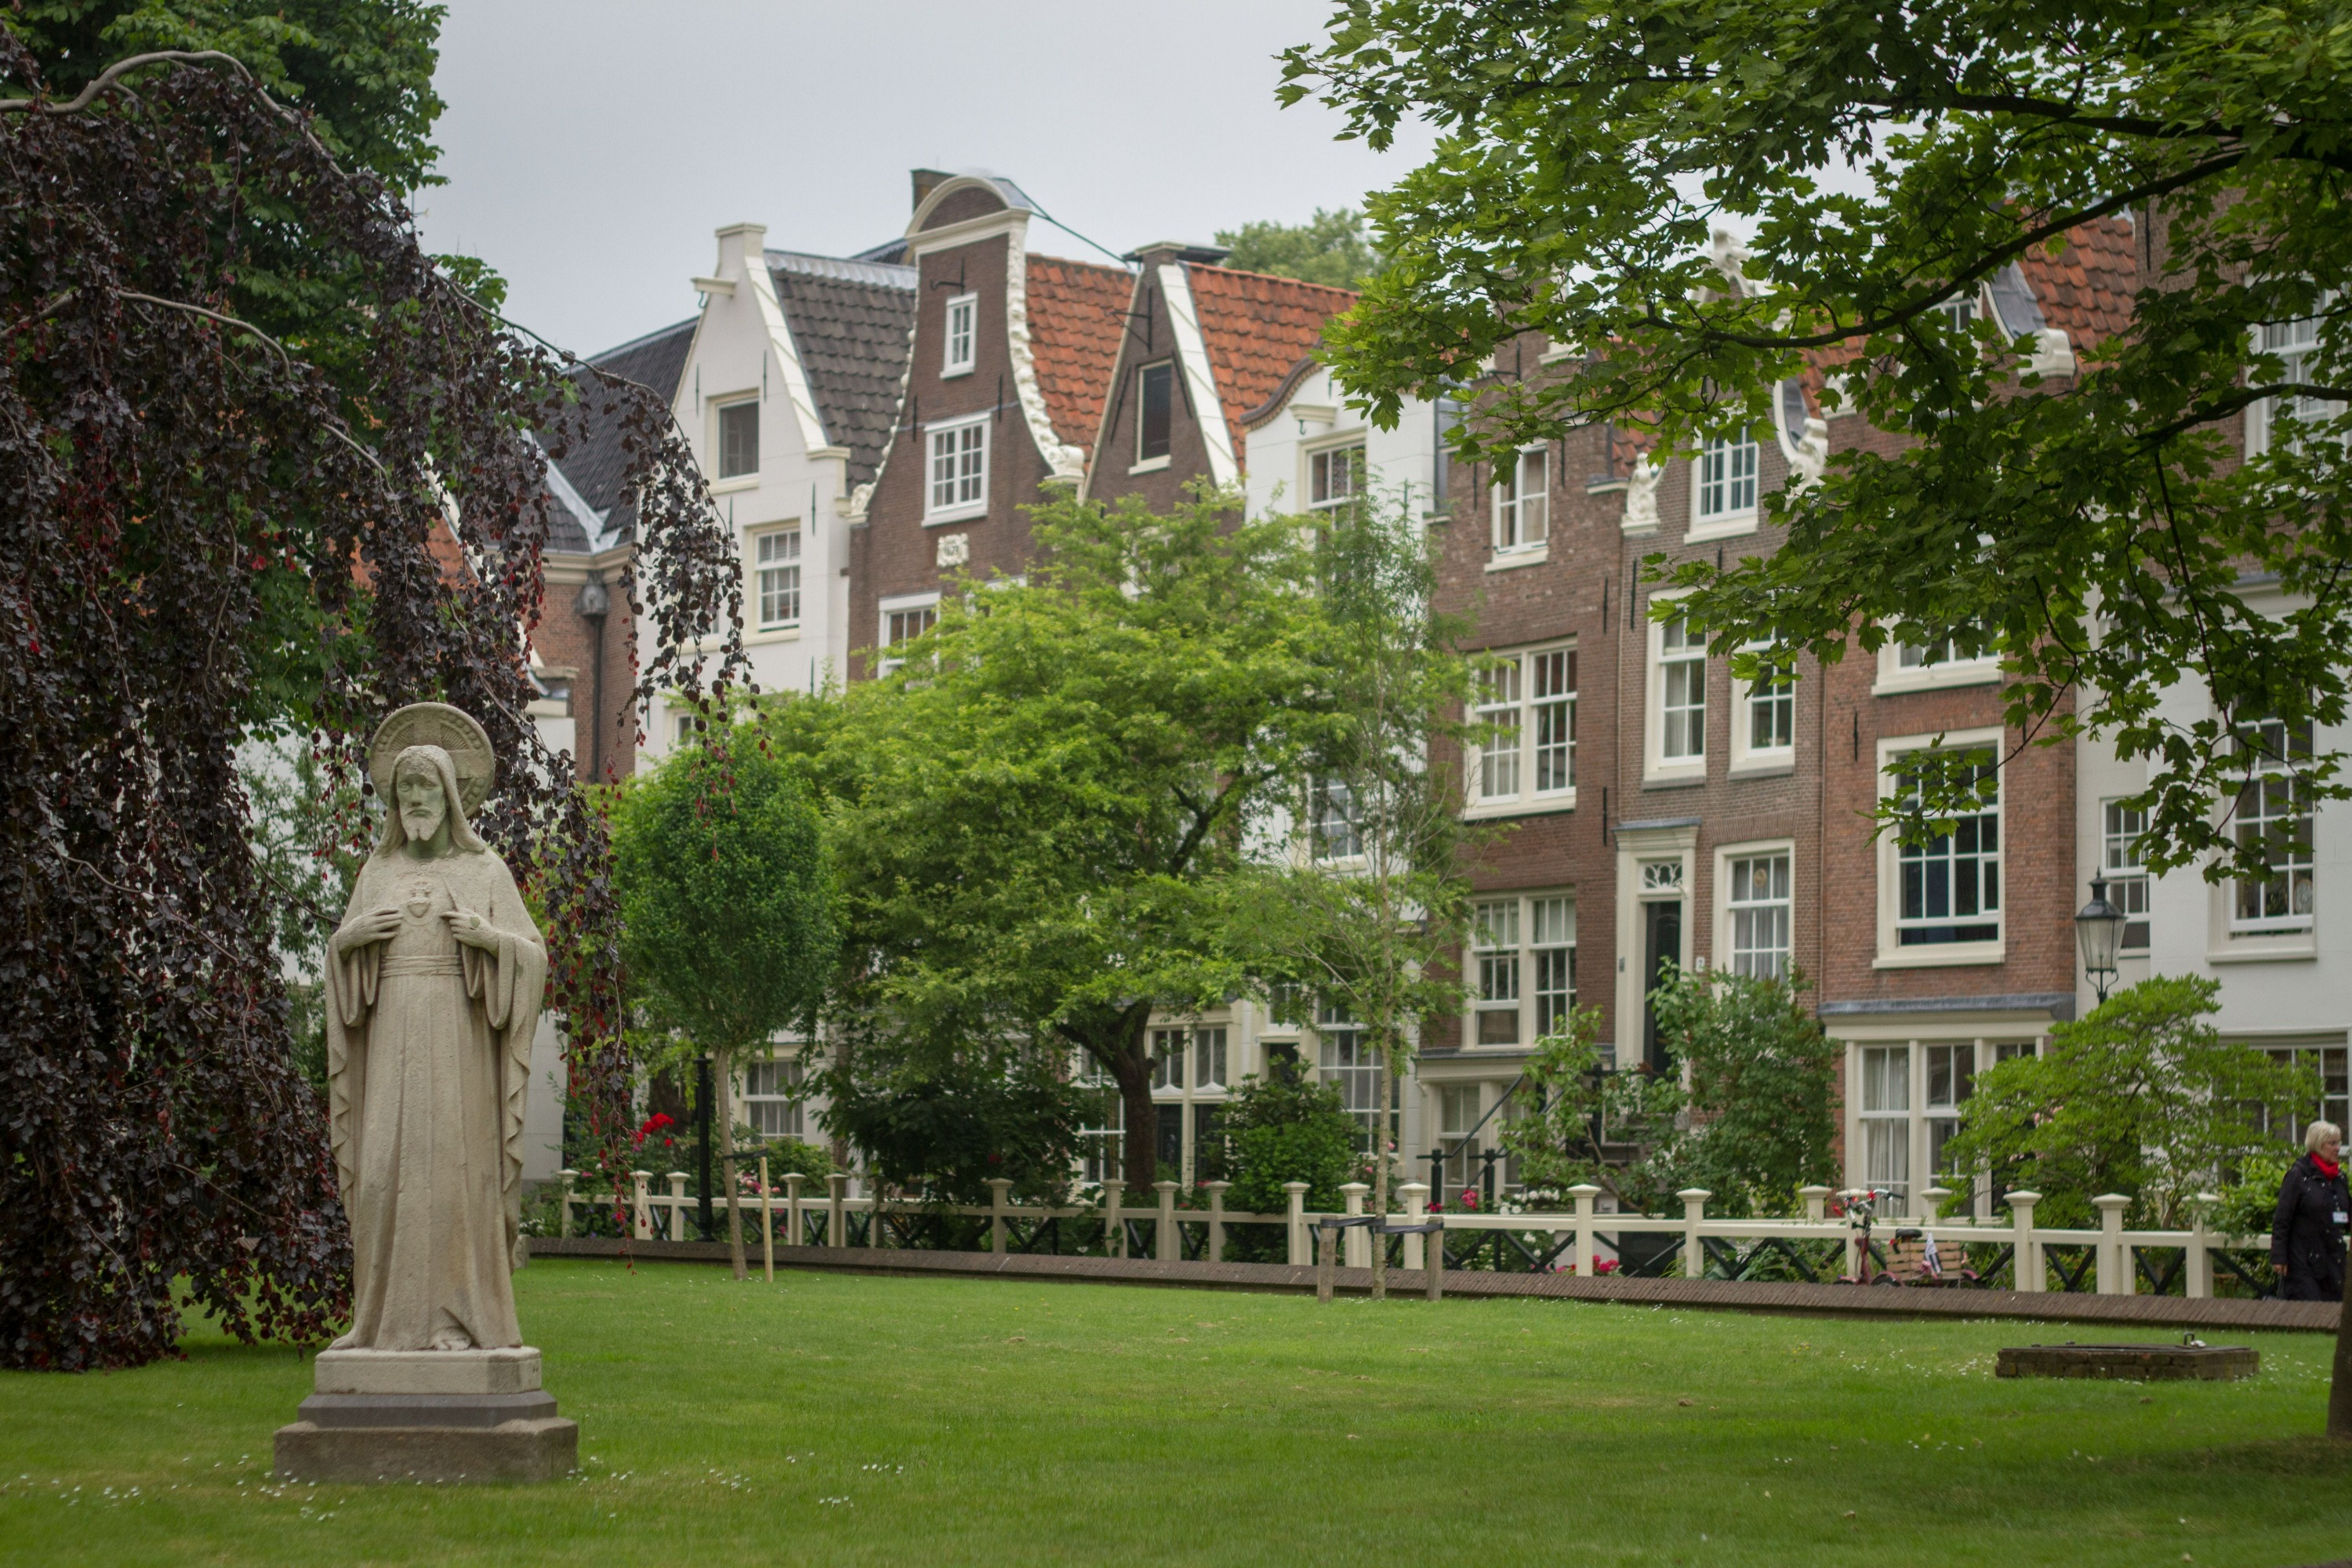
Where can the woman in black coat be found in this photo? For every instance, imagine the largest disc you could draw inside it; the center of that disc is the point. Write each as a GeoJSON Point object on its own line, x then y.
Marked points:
{"type": "Point", "coordinates": [2314, 1205]}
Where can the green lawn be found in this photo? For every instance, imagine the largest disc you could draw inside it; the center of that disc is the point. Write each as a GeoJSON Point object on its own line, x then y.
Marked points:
{"type": "Point", "coordinates": [836, 1419]}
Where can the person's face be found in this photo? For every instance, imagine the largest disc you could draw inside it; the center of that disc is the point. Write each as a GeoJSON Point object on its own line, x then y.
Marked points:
{"type": "Point", "coordinates": [423, 807]}
{"type": "Point", "coordinates": [2332, 1151]}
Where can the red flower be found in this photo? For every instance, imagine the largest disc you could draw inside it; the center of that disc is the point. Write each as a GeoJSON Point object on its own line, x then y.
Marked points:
{"type": "Point", "coordinates": [654, 1124]}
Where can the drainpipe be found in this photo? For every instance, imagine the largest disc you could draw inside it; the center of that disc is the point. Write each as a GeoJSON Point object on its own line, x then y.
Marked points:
{"type": "Point", "coordinates": [593, 604]}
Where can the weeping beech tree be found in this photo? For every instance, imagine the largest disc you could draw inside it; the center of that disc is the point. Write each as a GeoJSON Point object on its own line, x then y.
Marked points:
{"type": "Point", "coordinates": [211, 531]}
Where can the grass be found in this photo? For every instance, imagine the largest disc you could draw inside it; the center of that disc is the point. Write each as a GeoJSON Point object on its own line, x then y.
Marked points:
{"type": "Point", "coordinates": [840, 1419]}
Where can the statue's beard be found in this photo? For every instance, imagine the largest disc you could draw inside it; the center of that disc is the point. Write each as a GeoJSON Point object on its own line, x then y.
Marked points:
{"type": "Point", "coordinates": [421, 825]}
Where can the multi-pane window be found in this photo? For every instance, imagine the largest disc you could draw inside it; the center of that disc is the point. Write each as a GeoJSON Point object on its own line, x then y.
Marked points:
{"type": "Point", "coordinates": [738, 441]}
{"type": "Point", "coordinates": [1524, 952]}
{"type": "Point", "coordinates": [1726, 477]}
{"type": "Point", "coordinates": [959, 471]}
{"type": "Point", "coordinates": [1886, 1118]}
{"type": "Point", "coordinates": [1495, 934]}
{"type": "Point", "coordinates": [2296, 343]}
{"type": "Point", "coordinates": [1681, 692]}
{"type": "Point", "coordinates": [1458, 1114]}
{"type": "Point", "coordinates": [1209, 1059]}
{"type": "Point", "coordinates": [900, 627]}
{"type": "Point", "coordinates": [1335, 477]}
{"type": "Point", "coordinates": [1757, 901]}
{"type": "Point", "coordinates": [2273, 813]}
{"type": "Point", "coordinates": [1949, 886]}
{"type": "Point", "coordinates": [1951, 1078]}
{"type": "Point", "coordinates": [1155, 410]}
{"type": "Point", "coordinates": [2121, 828]}
{"type": "Point", "coordinates": [1331, 822]}
{"type": "Point", "coordinates": [776, 565]}
{"type": "Point", "coordinates": [1169, 1049]}
{"type": "Point", "coordinates": [2335, 1072]}
{"type": "Point", "coordinates": [1523, 500]}
{"type": "Point", "coordinates": [1351, 1064]}
{"type": "Point", "coordinates": [771, 1098]}
{"type": "Point", "coordinates": [963, 334]}
{"type": "Point", "coordinates": [1771, 709]}
{"type": "Point", "coordinates": [1530, 699]}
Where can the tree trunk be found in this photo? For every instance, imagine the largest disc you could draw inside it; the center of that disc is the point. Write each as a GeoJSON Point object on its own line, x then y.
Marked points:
{"type": "Point", "coordinates": [722, 1106]}
{"type": "Point", "coordinates": [1139, 1156]}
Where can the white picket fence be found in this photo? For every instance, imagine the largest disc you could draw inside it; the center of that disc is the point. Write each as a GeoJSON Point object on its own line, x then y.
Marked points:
{"type": "Point", "coordinates": [792, 1218]}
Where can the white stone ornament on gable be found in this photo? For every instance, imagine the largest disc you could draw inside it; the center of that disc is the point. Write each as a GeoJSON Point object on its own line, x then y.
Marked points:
{"type": "Point", "coordinates": [1641, 496]}
{"type": "Point", "coordinates": [955, 549]}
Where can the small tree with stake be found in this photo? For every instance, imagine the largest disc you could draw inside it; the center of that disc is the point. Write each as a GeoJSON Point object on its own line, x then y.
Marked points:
{"type": "Point", "coordinates": [727, 903]}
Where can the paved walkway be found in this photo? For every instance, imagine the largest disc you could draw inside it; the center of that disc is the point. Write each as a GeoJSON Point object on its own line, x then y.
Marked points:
{"type": "Point", "coordinates": [2119, 1312]}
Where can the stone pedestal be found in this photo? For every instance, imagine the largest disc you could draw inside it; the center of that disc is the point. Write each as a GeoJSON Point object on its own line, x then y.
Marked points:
{"type": "Point", "coordinates": [428, 1415]}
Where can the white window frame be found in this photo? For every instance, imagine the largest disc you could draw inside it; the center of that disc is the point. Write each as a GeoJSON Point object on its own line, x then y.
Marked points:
{"type": "Point", "coordinates": [1656, 766]}
{"type": "Point", "coordinates": [1144, 464]}
{"type": "Point", "coordinates": [1870, 1114]}
{"type": "Point", "coordinates": [1726, 485]}
{"type": "Point", "coordinates": [1522, 947]}
{"type": "Point", "coordinates": [1895, 676]}
{"type": "Point", "coordinates": [2302, 876]}
{"type": "Point", "coordinates": [1333, 836]}
{"type": "Point", "coordinates": [1509, 694]}
{"type": "Point", "coordinates": [2128, 883]}
{"type": "Point", "coordinates": [785, 1071]}
{"type": "Point", "coordinates": [965, 477]}
{"type": "Point", "coordinates": [1358, 473]}
{"type": "Point", "coordinates": [1746, 698]}
{"type": "Point", "coordinates": [1728, 906]}
{"type": "Point", "coordinates": [758, 542]}
{"type": "Point", "coordinates": [1979, 1048]}
{"type": "Point", "coordinates": [1892, 953]}
{"type": "Point", "coordinates": [903, 605]}
{"type": "Point", "coordinates": [960, 334]}
{"type": "Point", "coordinates": [2293, 343]}
{"type": "Point", "coordinates": [1523, 517]}
{"type": "Point", "coordinates": [721, 483]}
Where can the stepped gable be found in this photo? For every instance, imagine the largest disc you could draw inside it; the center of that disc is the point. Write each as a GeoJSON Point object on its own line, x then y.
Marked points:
{"type": "Point", "coordinates": [1257, 329]}
{"type": "Point", "coordinates": [593, 466]}
{"type": "Point", "coordinates": [2086, 287]}
{"type": "Point", "coordinates": [850, 321]}
{"type": "Point", "coordinates": [1076, 310]}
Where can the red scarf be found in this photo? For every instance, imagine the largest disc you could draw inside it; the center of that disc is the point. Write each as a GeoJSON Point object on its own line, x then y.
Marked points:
{"type": "Point", "coordinates": [2326, 1166]}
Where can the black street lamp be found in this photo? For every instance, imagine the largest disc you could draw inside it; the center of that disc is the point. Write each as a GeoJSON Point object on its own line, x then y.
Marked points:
{"type": "Point", "coordinates": [2099, 928]}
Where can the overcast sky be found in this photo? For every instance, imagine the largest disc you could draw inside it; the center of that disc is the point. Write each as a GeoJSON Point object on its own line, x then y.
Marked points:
{"type": "Point", "coordinates": [591, 146]}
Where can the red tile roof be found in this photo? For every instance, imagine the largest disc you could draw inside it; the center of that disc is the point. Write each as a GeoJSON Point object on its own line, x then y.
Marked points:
{"type": "Point", "coordinates": [1256, 328]}
{"type": "Point", "coordinates": [1076, 312]}
{"type": "Point", "coordinates": [2086, 287]}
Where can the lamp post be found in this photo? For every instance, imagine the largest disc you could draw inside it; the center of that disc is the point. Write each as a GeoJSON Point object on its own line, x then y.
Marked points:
{"type": "Point", "coordinates": [2099, 928]}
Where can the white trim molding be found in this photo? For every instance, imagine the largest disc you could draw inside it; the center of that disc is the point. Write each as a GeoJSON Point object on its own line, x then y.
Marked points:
{"type": "Point", "coordinates": [1200, 379]}
{"type": "Point", "coordinates": [1892, 953]}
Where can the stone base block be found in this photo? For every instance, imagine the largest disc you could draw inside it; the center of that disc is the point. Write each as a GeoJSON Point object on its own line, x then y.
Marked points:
{"type": "Point", "coordinates": [511, 1370]}
{"type": "Point", "coordinates": [531, 1450]}
{"type": "Point", "coordinates": [2191, 1363]}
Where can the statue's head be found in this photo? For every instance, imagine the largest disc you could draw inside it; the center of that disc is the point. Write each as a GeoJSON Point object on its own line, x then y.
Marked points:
{"type": "Point", "coordinates": [426, 797]}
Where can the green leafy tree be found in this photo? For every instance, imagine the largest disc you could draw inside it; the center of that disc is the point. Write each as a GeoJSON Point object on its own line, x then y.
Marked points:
{"type": "Point", "coordinates": [1570, 1110]}
{"type": "Point", "coordinates": [1286, 1127]}
{"type": "Point", "coordinates": [1888, 164]}
{"type": "Point", "coordinates": [727, 903]}
{"type": "Point", "coordinates": [1761, 1078]}
{"type": "Point", "coordinates": [1040, 816]}
{"type": "Point", "coordinates": [942, 1118]}
{"type": "Point", "coordinates": [2141, 1098]}
{"type": "Point", "coordinates": [1330, 248]}
{"type": "Point", "coordinates": [1367, 914]}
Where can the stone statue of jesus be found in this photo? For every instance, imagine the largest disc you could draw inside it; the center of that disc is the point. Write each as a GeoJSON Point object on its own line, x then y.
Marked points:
{"type": "Point", "coordinates": [433, 983]}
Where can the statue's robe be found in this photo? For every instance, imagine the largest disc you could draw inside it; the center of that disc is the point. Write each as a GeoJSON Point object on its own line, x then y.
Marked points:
{"type": "Point", "coordinates": [428, 1060]}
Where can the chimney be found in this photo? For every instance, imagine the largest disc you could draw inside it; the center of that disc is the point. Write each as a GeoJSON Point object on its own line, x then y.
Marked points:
{"type": "Point", "coordinates": [926, 181]}
{"type": "Point", "coordinates": [1161, 251]}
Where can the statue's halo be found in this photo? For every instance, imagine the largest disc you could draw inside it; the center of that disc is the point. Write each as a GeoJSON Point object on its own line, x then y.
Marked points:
{"type": "Point", "coordinates": [435, 724]}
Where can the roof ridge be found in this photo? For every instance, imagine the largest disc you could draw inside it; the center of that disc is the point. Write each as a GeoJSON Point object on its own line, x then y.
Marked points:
{"type": "Point", "coordinates": [1275, 278]}
{"type": "Point", "coordinates": [880, 274]}
{"type": "Point", "coordinates": [637, 342]}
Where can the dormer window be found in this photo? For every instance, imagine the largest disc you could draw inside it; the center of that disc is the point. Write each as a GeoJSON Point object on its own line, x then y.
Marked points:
{"type": "Point", "coordinates": [962, 335]}
{"type": "Point", "coordinates": [738, 441]}
{"type": "Point", "coordinates": [1155, 411]}
{"type": "Point", "coordinates": [1335, 477]}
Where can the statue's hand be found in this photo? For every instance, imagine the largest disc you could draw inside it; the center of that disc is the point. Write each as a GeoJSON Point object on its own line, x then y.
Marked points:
{"type": "Point", "coordinates": [471, 929]}
{"type": "Point", "coordinates": [377, 925]}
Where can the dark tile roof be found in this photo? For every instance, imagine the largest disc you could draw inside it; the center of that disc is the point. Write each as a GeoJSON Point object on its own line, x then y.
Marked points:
{"type": "Point", "coordinates": [849, 322]}
{"type": "Point", "coordinates": [1077, 312]}
{"type": "Point", "coordinates": [592, 465]}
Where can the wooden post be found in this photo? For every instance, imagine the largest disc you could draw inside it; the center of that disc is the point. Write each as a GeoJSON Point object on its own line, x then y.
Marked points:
{"type": "Point", "coordinates": [767, 1224]}
{"type": "Point", "coordinates": [641, 1205]}
{"type": "Point", "coordinates": [1324, 1264]}
{"type": "Point", "coordinates": [1216, 1253]}
{"type": "Point", "coordinates": [1416, 1211]}
{"type": "Point", "coordinates": [1166, 1245]}
{"type": "Point", "coordinates": [1299, 1248]}
{"type": "Point", "coordinates": [1817, 1203]}
{"type": "Point", "coordinates": [1853, 1237]}
{"type": "Point", "coordinates": [997, 1187]}
{"type": "Point", "coordinates": [1436, 1276]}
{"type": "Point", "coordinates": [796, 1229]}
{"type": "Point", "coordinates": [677, 1205]}
{"type": "Point", "coordinates": [1359, 1254]}
{"type": "Point", "coordinates": [2027, 1269]}
{"type": "Point", "coordinates": [1694, 1249]}
{"type": "Point", "coordinates": [2115, 1258]}
{"type": "Point", "coordinates": [563, 1226]}
{"type": "Point", "coordinates": [2200, 1260]}
{"type": "Point", "coordinates": [1585, 1194]}
{"type": "Point", "coordinates": [836, 1223]}
{"type": "Point", "coordinates": [1934, 1197]}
